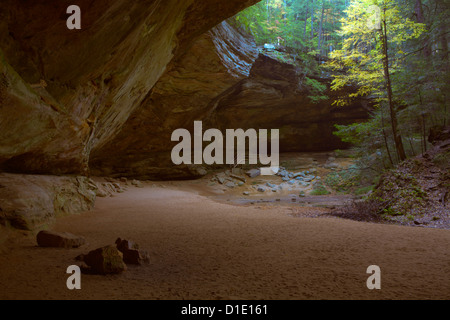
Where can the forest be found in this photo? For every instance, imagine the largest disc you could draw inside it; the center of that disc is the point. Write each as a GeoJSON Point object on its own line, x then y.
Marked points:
{"type": "Point", "coordinates": [396, 52]}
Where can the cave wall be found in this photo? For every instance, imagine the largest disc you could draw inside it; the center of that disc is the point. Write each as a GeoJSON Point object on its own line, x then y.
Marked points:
{"type": "Point", "coordinates": [65, 93]}
{"type": "Point", "coordinates": [215, 62]}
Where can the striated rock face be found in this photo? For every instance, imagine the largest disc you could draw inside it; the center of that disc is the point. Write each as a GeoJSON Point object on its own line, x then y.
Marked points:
{"type": "Point", "coordinates": [275, 95]}
{"type": "Point", "coordinates": [215, 62]}
{"type": "Point", "coordinates": [28, 201]}
{"type": "Point", "coordinates": [66, 93]}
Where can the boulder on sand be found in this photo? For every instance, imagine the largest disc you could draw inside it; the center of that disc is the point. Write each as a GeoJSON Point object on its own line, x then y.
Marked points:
{"type": "Point", "coordinates": [131, 252]}
{"type": "Point", "coordinates": [51, 239]}
{"type": "Point", "coordinates": [106, 260]}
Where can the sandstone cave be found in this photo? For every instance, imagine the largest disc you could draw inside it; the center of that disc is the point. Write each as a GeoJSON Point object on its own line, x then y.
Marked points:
{"type": "Point", "coordinates": [87, 177]}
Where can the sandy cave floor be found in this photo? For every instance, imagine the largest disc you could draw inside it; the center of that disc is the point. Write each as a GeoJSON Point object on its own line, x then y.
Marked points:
{"type": "Point", "coordinates": [205, 249]}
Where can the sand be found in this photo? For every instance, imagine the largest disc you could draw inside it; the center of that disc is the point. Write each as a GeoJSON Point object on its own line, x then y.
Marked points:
{"type": "Point", "coordinates": [202, 249]}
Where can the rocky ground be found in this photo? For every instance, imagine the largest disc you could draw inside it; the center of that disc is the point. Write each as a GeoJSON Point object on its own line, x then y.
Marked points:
{"type": "Point", "coordinates": [298, 183]}
{"type": "Point", "coordinates": [416, 193]}
{"type": "Point", "coordinates": [300, 186]}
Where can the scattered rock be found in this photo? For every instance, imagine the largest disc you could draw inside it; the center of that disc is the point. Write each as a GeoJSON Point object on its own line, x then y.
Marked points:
{"type": "Point", "coordinates": [237, 177]}
{"type": "Point", "coordinates": [221, 177]}
{"type": "Point", "coordinates": [92, 185]}
{"type": "Point", "coordinates": [106, 260]}
{"type": "Point", "coordinates": [50, 239]}
{"type": "Point", "coordinates": [118, 187]}
{"type": "Point", "coordinates": [261, 189]}
{"type": "Point", "coordinates": [331, 165]}
{"type": "Point", "coordinates": [246, 193]}
{"type": "Point", "coordinates": [253, 173]}
{"type": "Point", "coordinates": [236, 171]}
{"type": "Point", "coordinates": [131, 252]}
{"type": "Point", "coordinates": [124, 180]}
{"type": "Point", "coordinates": [230, 184]}
{"type": "Point", "coordinates": [299, 174]}
{"type": "Point", "coordinates": [137, 184]}
{"type": "Point", "coordinates": [101, 193]}
{"type": "Point", "coordinates": [283, 173]}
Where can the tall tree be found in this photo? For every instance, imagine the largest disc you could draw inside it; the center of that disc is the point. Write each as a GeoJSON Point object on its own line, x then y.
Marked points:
{"type": "Point", "coordinates": [366, 51]}
{"type": "Point", "coordinates": [394, 122]}
{"type": "Point", "coordinates": [321, 27]}
{"type": "Point", "coordinates": [312, 19]}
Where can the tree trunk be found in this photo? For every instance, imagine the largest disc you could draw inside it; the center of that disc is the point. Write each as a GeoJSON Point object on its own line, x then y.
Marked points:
{"type": "Point", "coordinates": [394, 122]}
{"type": "Point", "coordinates": [418, 9]}
{"type": "Point", "coordinates": [321, 27]}
{"type": "Point", "coordinates": [312, 20]}
{"type": "Point", "coordinates": [306, 24]}
{"type": "Point", "coordinates": [423, 125]}
{"type": "Point", "coordinates": [386, 144]}
{"type": "Point", "coordinates": [444, 45]}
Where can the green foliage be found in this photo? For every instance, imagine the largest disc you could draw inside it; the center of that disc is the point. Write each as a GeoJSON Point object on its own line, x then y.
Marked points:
{"type": "Point", "coordinates": [364, 190]}
{"type": "Point", "coordinates": [319, 190]}
{"type": "Point", "coordinates": [295, 23]}
{"type": "Point", "coordinates": [344, 180]}
{"type": "Point", "coordinates": [317, 89]}
{"type": "Point", "coordinates": [361, 56]}
{"type": "Point", "coordinates": [418, 68]}
{"type": "Point", "coordinates": [418, 82]}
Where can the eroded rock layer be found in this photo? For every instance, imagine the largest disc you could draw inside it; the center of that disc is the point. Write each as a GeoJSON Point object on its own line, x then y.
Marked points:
{"type": "Point", "coordinates": [33, 201]}
{"type": "Point", "coordinates": [65, 93]}
{"type": "Point", "coordinates": [217, 61]}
